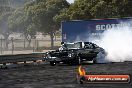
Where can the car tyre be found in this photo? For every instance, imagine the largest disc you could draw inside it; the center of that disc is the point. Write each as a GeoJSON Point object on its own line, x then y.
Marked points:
{"type": "Point", "coordinates": [94, 61]}
{"type": "Point", "coordinates": [52, 63]}
{"type": "Point", "coordinates": [78, 61]}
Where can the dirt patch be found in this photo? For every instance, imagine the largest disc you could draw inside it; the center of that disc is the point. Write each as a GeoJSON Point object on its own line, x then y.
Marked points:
{"type": "Point", "coordinates": [62, 76]}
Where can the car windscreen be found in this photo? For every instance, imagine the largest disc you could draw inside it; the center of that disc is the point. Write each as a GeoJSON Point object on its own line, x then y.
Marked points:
{"type": "Point", "coordinates": [72, 46]}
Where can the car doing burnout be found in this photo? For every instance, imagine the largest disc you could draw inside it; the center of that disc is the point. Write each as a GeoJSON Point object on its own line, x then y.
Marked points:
{"type": "Point", "coordinates": [76, 53]}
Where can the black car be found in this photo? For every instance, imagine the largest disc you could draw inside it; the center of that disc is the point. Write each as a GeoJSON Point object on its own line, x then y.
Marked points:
{"type": "Point", "coordinates": [75, 53]}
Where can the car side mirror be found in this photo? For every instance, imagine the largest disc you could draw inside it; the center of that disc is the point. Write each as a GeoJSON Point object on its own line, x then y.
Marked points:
{"type": "Point", "coordinates": [62, 43]}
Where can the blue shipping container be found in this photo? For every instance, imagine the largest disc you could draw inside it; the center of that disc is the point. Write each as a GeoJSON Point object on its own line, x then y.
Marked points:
{"type": "Point", "coordinates": [80, 30]}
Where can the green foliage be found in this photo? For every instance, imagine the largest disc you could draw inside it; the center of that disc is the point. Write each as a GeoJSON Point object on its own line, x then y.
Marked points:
{"type": "Point", "coordinates": [20, 22]}
{"type": "Point", "coordinates": [80, 10]}
{"type": "Point", "coordinates": [42, 13]}
{"type": "Point", "coordinates": [8, 18]}
{"type": "Point", "coordinates": [5, 12]}
{"type": "Point", "coordinates": [37, 15]}
{"type": "Point", "coordinates": [90, 9]}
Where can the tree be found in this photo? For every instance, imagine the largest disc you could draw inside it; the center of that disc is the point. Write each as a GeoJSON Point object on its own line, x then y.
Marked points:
{"type": "Point", "coordinates": [90, 9]}
{"type": "Point", "coordinates": [42, 13]}
{"type": "Point", "coordinates": [20, 22]}
{"type": "Point", "coordinates": [4, 30]}
{"type": "Point", "coordinates": [5, 12]}
{"type": "Point", "coordinates": [79, 10]}
{"type": "Point", "coordinates": [6, 9]}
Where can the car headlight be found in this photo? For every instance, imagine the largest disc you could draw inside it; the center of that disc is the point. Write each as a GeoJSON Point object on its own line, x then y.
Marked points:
{"type": "Point", "coordinates": [48, 56]}
{"type": "Point", "coordinates": [70, 54]}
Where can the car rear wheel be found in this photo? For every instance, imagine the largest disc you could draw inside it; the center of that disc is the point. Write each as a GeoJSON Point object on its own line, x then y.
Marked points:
{"type": "Point", "coordinates": [77, 61]}
{"type": "Point", "coordinates": [94, 60]}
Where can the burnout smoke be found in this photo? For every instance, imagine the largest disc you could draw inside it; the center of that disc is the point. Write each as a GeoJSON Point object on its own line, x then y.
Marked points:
{"type": "Point", "coordinates": [118, 43]}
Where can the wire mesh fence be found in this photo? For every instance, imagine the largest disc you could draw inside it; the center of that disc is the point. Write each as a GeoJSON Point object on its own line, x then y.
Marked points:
{"type": "Point", "coordinates": [18, 46]}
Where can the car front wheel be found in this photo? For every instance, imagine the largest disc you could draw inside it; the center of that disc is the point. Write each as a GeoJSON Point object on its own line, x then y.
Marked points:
{"type": "Point", "coordinates": [52, 63]}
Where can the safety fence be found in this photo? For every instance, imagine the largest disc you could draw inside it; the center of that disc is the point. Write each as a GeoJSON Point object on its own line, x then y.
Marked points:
{"type": "Point", "coordinates": [17, 46]}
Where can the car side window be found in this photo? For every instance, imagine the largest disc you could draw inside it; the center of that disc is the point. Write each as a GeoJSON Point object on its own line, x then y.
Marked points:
{"type": "Point", "coordinates": [88, 46]}
{"type": "Point", "coordinates": [77, 45]}
{"type": "Point", "coordinates": [95, 46]}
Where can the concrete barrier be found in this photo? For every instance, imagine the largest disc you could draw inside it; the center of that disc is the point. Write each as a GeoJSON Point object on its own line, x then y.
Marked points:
{"type": "Point", "coordinates": [21, 57]}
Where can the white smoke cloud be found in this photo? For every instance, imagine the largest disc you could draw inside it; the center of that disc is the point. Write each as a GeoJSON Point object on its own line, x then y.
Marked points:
{"type": "Point", "coordinates": [118, 43]}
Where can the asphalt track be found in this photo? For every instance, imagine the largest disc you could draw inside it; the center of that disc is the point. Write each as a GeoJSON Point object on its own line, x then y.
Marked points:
{"type": "Point", "coordinates": [62, 76]}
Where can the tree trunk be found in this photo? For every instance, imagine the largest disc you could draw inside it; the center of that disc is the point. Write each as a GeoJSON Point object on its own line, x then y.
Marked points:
{"type": "Point", "coordinates": [52, 39]}
{"type": "Point", "coordinates": [28, 38]}
{"type": "Point", "coordinates": [6, 40]}
{"type": "Point", "coordinates": [29, 42]}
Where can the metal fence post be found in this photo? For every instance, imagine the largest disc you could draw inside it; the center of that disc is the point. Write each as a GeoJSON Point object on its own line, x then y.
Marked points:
{"type": "Point", "coordinates": [37, 44]}
{"type": "Point", "coordinates": [12, 45]}
{"type": "Point", "coordinates": [24, 43]}
{"type": "Point", "coordinates": [34, 45]}
{"type": "Point", "coordinates": [1, 45]}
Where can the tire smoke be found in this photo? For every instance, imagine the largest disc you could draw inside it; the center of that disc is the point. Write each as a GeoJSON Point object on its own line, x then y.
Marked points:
{"type": "Point", "coordinates": [117, 42]}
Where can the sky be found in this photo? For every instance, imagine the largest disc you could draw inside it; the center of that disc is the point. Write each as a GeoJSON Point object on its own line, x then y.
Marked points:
{"type": "Point", "coordinates": [70, 1]}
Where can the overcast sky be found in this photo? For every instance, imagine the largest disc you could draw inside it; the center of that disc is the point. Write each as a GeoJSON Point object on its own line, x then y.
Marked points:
{"type": "Point", "coordinates": [70, 1]}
